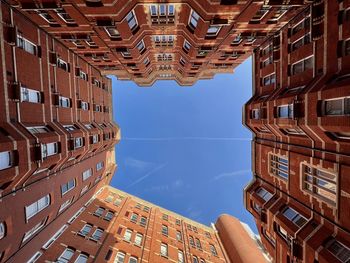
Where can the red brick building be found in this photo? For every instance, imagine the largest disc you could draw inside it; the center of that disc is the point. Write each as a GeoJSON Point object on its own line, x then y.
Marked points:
{"type": "Point", "coordinates": [118, 227]}
{"type": "Point", "coordinates": [57, 134]}
{"type": "Point", "coordinates": [299, 114]}
{"type": "Point", "coordinates": [148, 40]}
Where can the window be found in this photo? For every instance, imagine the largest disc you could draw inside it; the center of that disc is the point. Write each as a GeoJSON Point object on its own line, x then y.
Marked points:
{"type": "Point", "coordinates": [65, 205]}
{"type": "Point", "coordinates": [285, 111]}
{"type": "Point", "coordinates": [294, 131]}
{"type": "Point", "coordinates": [126, 53]}
{"type": "Point", "coordinates": [186, 46]}
{"type": "Point", "coordinates": [344, 47]}
{"type": "Point", "coordinates": [302, 65]}
{"type": "Point", "coordinates": [294, 216]}
{"type": "Point", "coordinates": [87, 174]}
{"type": "Point", "coordinates": [146, 62]}
{"type": "Point", "coordinates": [304, 24]}
{"type": "Point", "coordinates": [119, 258]}
{"type": "Point", "coordinates": [337, 106]}
{"type": "Point", "coordinates": [283, 233]}
{"type": "Point", "coordinates": [133, 218]}
{"type": "Point", "coordinates": [34, 258]}
{"type": "Point", "coordinates": [64, 16]}
{"type": "Point", "coordinates": [195, 259]}
{"type": "Point", "coordinates": [164, 250]}
{"type": "Point", "coordinates": [237, 40]}
{"type": "Point", "coordinates": [255, 114]}
{"type": "Point", "coordinates": [279, 166]}
{"type": "Point", "coordinates": [78, 142]}
{"type": "Point", "coordinates": [256, 207]}
{"type": "Point", "coordinates": [146, 209]}
{"type": "Point", "coordinates": [112, 32]}
{"type": "Point", "coordinates": [75, 216]}
{"type": "Point", "coordinates": [191, 241]}
{"type": "Point", "coordinates": [165, 217]}
{"type": "Point", "coordinates": [109, 216]}
{"type": "Point", "coordinates": [132, 260]}
{"type": "Point", "coordinates": [270, 79]}
{"type": "Point", "coordinates": [264, 194]}
{"type": "Point", "coordinates": [127, 235]}
{"type": "Point", "coordinates": [143, 221]}
{"type": "Point", "coordinates": [37, 206]}
{"type": "Point", "coordinates": [49, 149]}
{"type": "Point", "coordinates": [85, 230]}
{"type": "Point", "coordinates": [46, 16]}
{"type": "Point", "coordinates": [213, 31]}
{"type": "Point", "coordinates": [97, 234]}
{"type": "Point", "coordinates": [82, 258]}
{"type": "Point", "coordinates": [34, 230]}
{"type": "Point", "coordinates": [38, 129]}
{"type": "Point", "coordinates": [69, 127]}
{"type": "Point", "coordinates": [193, 21]}
{"type": "Point", "coordinates": [131, 19]}
{"type": "Point", "coordinates": [339, 250]}
{"type": "Point", "coordinates": [162, 14]}
{"type": "Point", "coordinates": [55, 237]}
{"type": "Point", "coordinates": [141, 46]}
{"type": "Point", "coordinates": [64, 102]}
{"type": "Point", "coordinates": [207, 234]}
{"type": "Point", "coordinates": [260, 14]}
{"type": "Point", "coordinates": [30, 95]}
{"type": "Point", "coordinates": [180, 256]}
{"type": "Point", "coordinates": [138, 239]}
{"type": "Point", "coordinates": [66, 255]}
{"type": "Point", "coordinates": [250, 40]}
{"type": "Point", "coordinates": [84, 105]}
{"type": "Point", "coordinates": [99, 166]}
{"type": "Point", "coordinates": [269, 237]}
{"type": "Point", "coordinates": [320, 182]}
{"type": "Point", "coordinates": [99, 211]}
{"type": "Point", "coordinates": [165, 57]}
{"type": "Point", "coordinates": [178, 235]}
{"type": "Point", "coordinates": [2, 230]}
{"type": "Point", "coordinates": [164, 230]}
{"type": "Point", "coordinates": [301, 42]}
{"type": "Point", "coordinates": [267, 50]}
{"type": "Point", "coordinates": [213, 250]}
{"type": "Point", "coordinates": [178, 222]}
{"type": "Point", "coordinates": [267, 61]}
{"type": "Point", "coordinates": [26, 45]}
{"type": "Point", "coordinates": [65, 188]}
{"type": "Point", "coordinates": [6, 160]}
{"type": "Point", "coordinates": [198, 243]}
{"type": "Point", "coordinates": [163, 40]}
{"type": "Point", "coordinates": [62, 64]}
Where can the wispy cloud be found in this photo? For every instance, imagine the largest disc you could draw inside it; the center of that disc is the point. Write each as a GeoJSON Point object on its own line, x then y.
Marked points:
{"type": "Point", "coordinates": [156, 169]}
{"type": "Point", "coordinates": [138, 164]}
{"type": "Point", "coordinates": [166, 187]}
{"type": "Point", "coordinates": [186, 138]}
{"type": "Point", "coordinates": [194, 213]}
{"type": "Point", "coordinates": [231, 174]}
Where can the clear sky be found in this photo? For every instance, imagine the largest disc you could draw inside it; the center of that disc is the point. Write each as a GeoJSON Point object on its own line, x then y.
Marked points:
{"type": "Point", "coordinates": [185, 148]}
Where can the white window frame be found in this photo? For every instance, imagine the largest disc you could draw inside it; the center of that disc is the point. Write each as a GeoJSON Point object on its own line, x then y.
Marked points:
{"type": "Point", "coordinates": [164, 250]}
{"type": "Point", "coordinates": [141, 46]}
{"type": "Point", "coordinates": [194, 16]}
{"type": "Point", "coordinates": [35, 257]}
{"type": "Point", "coordinates": [30, 95]}
{"type": "Point", "coordinates": [55, 237]}
{"type": "Point", "coordinates": [186, 45]}
{"type": "Point", "coordinates": [344, 111]}
{"type": "Point", "coordinates": [110, 34]}
{"type": "Point", "coordinates": [290, 111]}
{"type": "Point", "coordinates": [65, 205]}
{"type": "Point", "coordinates": [127, 235]}
{"type": "Point", "coordinates": [120, 257]}
{"type": "Point", "coordinates": [129, 17]}
{"type": "Point", "coordinates": [279, 166]}
{"type": "Point", "coordinates": [38, 129]}
{"type": "Point", "coordinates": [82, 256]}
{"type": "Point", "coordinates": [64, 102]}
{"type": "Point", "coordinates": [34, 230]}
{"type": "Point", "coordinates": [6, 160]}
{"type": "Point", "coordinates": [302, 62]}
{"type": "Point", "coordinates": [37, 206]}
{"type": "Point", "coordinates": [26, 45]}
{"type": "Point", "coordinates": [211, 33]}
{"type": "Point", "coordinates": [2, 230]}
{"type": "Point", "coordinates": [98, 233]}
{"type": "Point", "coordinates": [138, 239]}
{"type": "Point", "coordinates": [62, 64]}
{"type": "Point", "coordinates": [296, 218]}
{"type": "Point", "coordinates": [69, 187]}
{"type": "Point", "coordinates": [65, 259]}
{"type": "Point", "coordinates": [87, 174]}
{"type": "Point", "coordinates": [343, 254]}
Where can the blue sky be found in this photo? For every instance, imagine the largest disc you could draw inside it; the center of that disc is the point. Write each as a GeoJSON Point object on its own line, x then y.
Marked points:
{"type": "Point", "coordinates": [185, 148]}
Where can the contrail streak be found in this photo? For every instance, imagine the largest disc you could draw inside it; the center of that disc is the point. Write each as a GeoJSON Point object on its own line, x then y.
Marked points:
{"type": "Point", "coordinates": [147, 174]}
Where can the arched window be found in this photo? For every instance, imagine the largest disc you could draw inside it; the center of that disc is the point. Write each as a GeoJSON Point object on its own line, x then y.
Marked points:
{"type": "Point", "coordinates": [119, 258]}
{"type": "Point", "coordinates": [2, 230]}
{"type": "Point", "coordinates": [132, 260]}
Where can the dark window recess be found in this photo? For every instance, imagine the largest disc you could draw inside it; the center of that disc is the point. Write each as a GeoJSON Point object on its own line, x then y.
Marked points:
{"type": "Point", "coordinates": [228, 2]}
{"type": "Point", "coordinates": [108, 255]}
{"type": "Point", "coordinates": [119, 230]}
{"type": "Point", "coordinates": [93, 3]}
